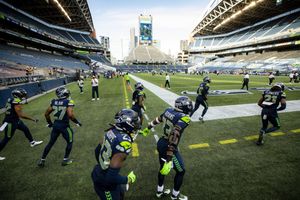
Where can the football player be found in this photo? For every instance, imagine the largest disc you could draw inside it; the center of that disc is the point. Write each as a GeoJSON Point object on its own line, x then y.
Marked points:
{"type": "Point", "coordinates": [12, 118]}
{"type": "Point", "coordinates": [175, 121]}
{"type": "Point", "coordinates": [111, 155]}
{"type": "Point", "coordinates": [63, 112]}
{"type": "Point", "coordinates": [138, 99]}
{"type": "Point", "coordinates": [202, 92]}
{"type": "Point", "coordinates": [269, 102]}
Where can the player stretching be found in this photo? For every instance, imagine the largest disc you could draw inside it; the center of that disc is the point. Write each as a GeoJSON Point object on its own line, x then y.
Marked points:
{"type": "Point", "coordinates": [63, 111]}
{"type": "Point", "coordinates": [111, 155]}
{"type": "Point", "coordinates": [12, 119]}
{"type": "Point", "coordinates": [269, 102]}
{"type": "Point", "coordinates": [202, 92]}
{"type": "Point", "coordinates": [175, 121]}
{"type": "Point", "coordinates": [138, 98]}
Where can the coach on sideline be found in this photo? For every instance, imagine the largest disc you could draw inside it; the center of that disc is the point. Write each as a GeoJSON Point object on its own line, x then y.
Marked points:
{"type": "Point", "coordinates": [246, 81]}
{"type": "Point", "coordinates": [95, 88]}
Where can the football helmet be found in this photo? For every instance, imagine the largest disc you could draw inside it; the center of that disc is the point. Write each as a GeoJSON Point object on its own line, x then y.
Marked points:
{"type": "Point", "coordinates": [279, 85]}
{"type": "Point", "coordinates": [184, 104]}
{"type": "Point", "coordinates": [62, 93]}
{"type": "Point", "coordinates": [206, 79]}
{"type": "Point", "coordinates": [19, 93]}
{"type": "Point", "coordinates": [139, 86]}
{"type": "Point", "coordinates": [128, 120]}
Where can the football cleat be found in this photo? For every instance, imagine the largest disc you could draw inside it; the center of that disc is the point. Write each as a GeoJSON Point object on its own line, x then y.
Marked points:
{"type": "Point", "coordinates": [93, 99]}
{"type": "Point", "coordinates": [260, 140]}
{"type": "Point", "coordinates": [41, 163]}
{"type": "Point", "coordinates": [66, 162]}
{"type": "Point", "coordinates": [201, 119]}
{"type": "Point", "coordinates": [179, 197]}
{"type": "Point", "coordinates": [35, 143]}
{"type": "Point", "coordinates": [163, 193]}
{"type": "Point", "coordinates": [2, 158]}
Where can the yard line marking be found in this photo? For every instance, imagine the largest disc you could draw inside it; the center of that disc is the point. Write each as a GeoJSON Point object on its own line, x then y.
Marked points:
{"type": "Point", "coordinates": [197, 146]}
{"type": "Point", "coordinates": [228, 141]}
{"type": "Point", "coordinates": [295, 131]}
{"type": "Point", "coordinates": [277, 134]}
{"type": "Point", "coordinates": [135, 149]}
{"type": "Point", "coordinates": [251, 137]}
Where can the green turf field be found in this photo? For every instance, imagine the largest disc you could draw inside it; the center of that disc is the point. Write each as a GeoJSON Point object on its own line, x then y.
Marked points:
{"type": "Point", "coordinates": [181, 82]}
{"type": "Point", "coordinates": [238, 170]}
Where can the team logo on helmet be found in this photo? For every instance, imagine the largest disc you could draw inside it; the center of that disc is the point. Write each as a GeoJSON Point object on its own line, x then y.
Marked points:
{"type": "Point", "coordinates": [19, 93]}
{"type": "Point", "coordinates": [139, 86]}
{"type": "Point", "coordinates": [184, 104]}
{"type": "Point", "coordinates": [206, 79]}
{"type": "Point", "coordinates": [62, 93]}
{"type": "Point", "coordinates": [128, 120]}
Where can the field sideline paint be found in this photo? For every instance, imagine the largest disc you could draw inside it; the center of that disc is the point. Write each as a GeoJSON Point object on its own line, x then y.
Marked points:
{"type": "Point", "coordinates": [251, 137]}
{"type": "Point", "coordinates": [295, 131]}
{"type": "Point", "coordinates": [228, 141]}
{"type": "Point", "coordinates": [197, 146]}
{"type": "Point", "coordinates": [277, 134]}
{"type": "Point", "coordinates": [135, 149]}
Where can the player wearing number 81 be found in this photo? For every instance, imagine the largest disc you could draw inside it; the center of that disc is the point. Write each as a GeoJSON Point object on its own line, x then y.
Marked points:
{"type": "Point", "coordinates": [175, 121]}
{"type": "Point", "coordinates": [63, 112]}
{"type": "Point", "coordinates": [269, 102]}
{"type": "Point", "coordinates": [111, 154]}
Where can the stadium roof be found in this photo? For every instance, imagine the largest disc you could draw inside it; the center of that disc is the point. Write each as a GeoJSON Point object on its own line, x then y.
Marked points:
{"type": "Point", "coordinates": [74, 14]}
{"type": "Point", "coordinates": [224, 16]}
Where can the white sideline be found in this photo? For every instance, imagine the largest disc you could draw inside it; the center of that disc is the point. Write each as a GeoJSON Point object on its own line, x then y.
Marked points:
{"type": "Point", "coordinates": [215, 112]}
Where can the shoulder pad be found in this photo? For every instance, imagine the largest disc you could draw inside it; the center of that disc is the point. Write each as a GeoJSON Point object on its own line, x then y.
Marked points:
{"type": "Point", "coordinates": [71, 102]}
{"type": "Point", "coordinates": [16, 101]}
{"type": "Point", "coordinates": [185, 119]}
{"type": "Point", "coordinates": [125, 144]}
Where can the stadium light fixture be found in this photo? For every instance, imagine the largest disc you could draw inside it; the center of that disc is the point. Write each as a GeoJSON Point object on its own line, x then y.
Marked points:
{"type": "Point", "coordinates": [62, 9]}
{"type": "Point", "coordinates": [252, 4]}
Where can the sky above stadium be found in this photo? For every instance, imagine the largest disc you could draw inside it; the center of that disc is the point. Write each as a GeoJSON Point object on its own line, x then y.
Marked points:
{"type": "Point", "coordinates": [173, 20]}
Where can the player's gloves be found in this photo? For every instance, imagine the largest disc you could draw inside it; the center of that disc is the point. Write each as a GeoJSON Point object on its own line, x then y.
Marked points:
{"type": "Point", "coordinates": [78, 124]}
{"type": "Point", "coordinates": [144, 132]}
{"type": "Point", "coordinates": [131, 177]}
{"type": "Point", "coordinates": [166, 168]}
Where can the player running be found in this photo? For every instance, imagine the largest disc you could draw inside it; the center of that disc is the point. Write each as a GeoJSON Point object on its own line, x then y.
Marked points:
{"type": "Point", "coordinates": [12, 120]}
{"type": "Point", "coordinates": [269, 102]}
{"type": "Point", "coordinates": [111, 155]}
{"type": "Point", "coordinates": [175, 121]}
{"type": "Point", "coordinates": [63, 112]}
{"type": "Point", "coordinates": [138, 99]}
{"type": "Point", "coordinates": [202, 92]}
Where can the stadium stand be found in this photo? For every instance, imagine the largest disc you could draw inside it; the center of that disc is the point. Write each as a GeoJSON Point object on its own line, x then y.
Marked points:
{"type": "Point", "coordinates": [234, 40]}
{"type": "Point", "coordinates": [144, 54]}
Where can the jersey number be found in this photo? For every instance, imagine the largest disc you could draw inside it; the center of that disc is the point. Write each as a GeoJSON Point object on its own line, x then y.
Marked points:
{"type": "Point", "coordinates": [270, 98]}
{"type": "Point", "coordinates": [105, 155]}
{"type": "Point", "coordinates": [168, 126]}
{"type": "Point", "coordinates": [59, 112]}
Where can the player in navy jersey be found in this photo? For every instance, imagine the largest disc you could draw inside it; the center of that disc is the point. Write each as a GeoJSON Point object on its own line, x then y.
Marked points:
{"type": "Point", "coordinates": [269, 102]}
{"type": "Point", "coordinates": [175, 121]}
{"type": "Point", "coordinates": [138, 99]}
{"type": "Point", "coordinates": [12, 118]}
{"type": "Point", "coordinates": [63, 112]}
{"type": "Point", "coordinates": [202, 92]}
{"type": "Point", "coordinates": [111, 155]}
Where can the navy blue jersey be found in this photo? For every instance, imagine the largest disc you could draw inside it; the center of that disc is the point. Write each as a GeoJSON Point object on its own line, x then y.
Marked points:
{"type": "Point", "coordinates": [271, 99]}
{"type": "Point", "coordinates": [114, 142]}
{"type": "Point", "coordinates": [136, 96]}
{"type": "Point", "coordinates": [203, 89]}
{"type": "Point", "coordinates": [172, 118]}
{"type": "Point", "coordinates": [11, 114]}
{"type": "Point", "coordinates": [60, 109]}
